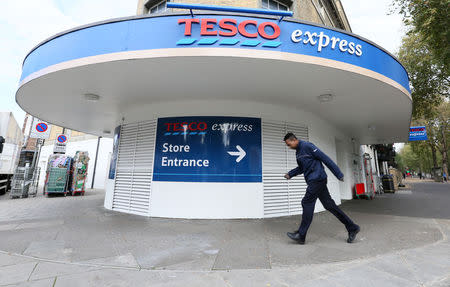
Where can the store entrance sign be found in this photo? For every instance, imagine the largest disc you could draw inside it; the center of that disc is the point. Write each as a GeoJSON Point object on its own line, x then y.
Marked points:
{"type": "Point", "coordinates": [208, 149]}
{"type": "Point", "coordinates": [418, 133]}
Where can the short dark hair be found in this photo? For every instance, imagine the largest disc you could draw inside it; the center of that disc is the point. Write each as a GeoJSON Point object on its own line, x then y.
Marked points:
{"type": "Point", "coordinates": [289, 136]}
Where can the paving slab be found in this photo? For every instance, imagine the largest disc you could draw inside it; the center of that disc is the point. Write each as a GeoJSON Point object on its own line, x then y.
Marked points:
{"type": "Point", "coordinates": [49, 249]}
{"type": "Point", "coordinates": [126, 260]}
{"type": "Point", "coordinates": [118, 278]}
{"type": "Point", "coordinates": [17, 273]}
{"type": "Point", "coordinates": [445, 282]}
{"type": "Point", "coordinates": [9, 259]}
{"type": "Point", "coordinates": [428, 264]}
{"type": "Point", "coordinates": [37, 283]}
{"type": "Point", "coordinates": [396, 265]}
{"type": "Point", "coordinates": [244, 246]}
{"type": "Point", "coordinates": [45, 270]}
{"type": "Point", "coordinates": [368, 277]}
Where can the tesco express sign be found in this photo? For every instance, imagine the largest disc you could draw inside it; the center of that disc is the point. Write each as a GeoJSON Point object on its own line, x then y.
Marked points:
{"type": "Point", "coordinates": [229, 27]}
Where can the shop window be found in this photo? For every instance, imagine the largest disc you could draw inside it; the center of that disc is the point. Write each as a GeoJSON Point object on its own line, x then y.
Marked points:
{"type": "Point", "coordinates": [155, 7]}
{"type": "Point", "coordinates": [274, 5]}
{"type": "Point", "coordinates": [322, 9]}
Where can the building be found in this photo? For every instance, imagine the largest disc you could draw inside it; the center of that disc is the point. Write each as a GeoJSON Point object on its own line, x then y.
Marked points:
{"type": "Point", "coordinates": [199, 98]}
{"type": "Point", "coordinates": [324, 12]}
{"type": "Point", "coordinates": [11, 139]}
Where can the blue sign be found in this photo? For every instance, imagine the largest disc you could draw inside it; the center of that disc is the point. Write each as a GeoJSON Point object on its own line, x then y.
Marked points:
{"type": "Point", "coordinates": [208, 149]}
{"type": "Point", "coordinates": [418, 133]}
{"type": "Point", "coordinates": [134, 35]}
{"type": "Point", "coordinates": [41, 127]}
{"type": "Point", "coordinates": [115, 153]}
{"type": "Point", "coordinates": [62, 138]}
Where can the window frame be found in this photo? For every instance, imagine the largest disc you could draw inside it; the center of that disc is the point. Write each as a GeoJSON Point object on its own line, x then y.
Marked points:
{"type": "Point", "coordinates": [155, 5]}
{"type": "Point", "coordinates": [279, 3]}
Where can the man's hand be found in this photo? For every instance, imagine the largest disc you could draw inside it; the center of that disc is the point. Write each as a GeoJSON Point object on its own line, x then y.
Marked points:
{"type": "Point", "coordinates": [341, 179]}
{"type": "Point", "coordinates": [286, 176]}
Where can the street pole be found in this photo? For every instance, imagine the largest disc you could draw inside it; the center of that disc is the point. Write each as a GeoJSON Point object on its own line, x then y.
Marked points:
{"type": "Point", "coordinates": [95, 163]}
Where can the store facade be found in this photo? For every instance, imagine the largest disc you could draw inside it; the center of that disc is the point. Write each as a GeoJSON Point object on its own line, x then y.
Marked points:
{"type": "Point", "coordinates": [198, 106]}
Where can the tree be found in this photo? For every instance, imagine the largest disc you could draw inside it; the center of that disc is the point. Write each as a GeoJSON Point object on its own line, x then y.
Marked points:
{"type": "Point", "coordinates": [431, 20]}
{"type": "Point", "coordinates": [442, 126]}
{"type": "Point", "coordinates": [416, 156]}
{"type": "Point", "coordinates": [435, 150]}
{"type": "Point", "coordinates": [429, 87]}
{"type": "Point", "coordinates": [425, 53]}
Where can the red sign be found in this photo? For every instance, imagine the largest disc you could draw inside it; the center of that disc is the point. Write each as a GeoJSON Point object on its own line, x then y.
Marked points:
{"type": "Point", "coordinates": [179, 127]}
{"type": "Point", "coordinates": [230, 27]}
{"type": "Point", "coordinates": [41, 127]}
{"type": "Point", "coordinates": [62, 138]}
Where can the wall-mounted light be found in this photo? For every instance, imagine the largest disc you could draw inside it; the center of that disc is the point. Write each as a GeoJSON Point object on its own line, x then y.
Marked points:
{"type": "Point", "coordinates": [325, 98]}
{"type": "Point", "coordinates": [91, 97]}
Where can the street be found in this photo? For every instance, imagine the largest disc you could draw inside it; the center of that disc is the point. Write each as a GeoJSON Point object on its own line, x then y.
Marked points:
{"type": "Point", "coordinates": [74, 241]}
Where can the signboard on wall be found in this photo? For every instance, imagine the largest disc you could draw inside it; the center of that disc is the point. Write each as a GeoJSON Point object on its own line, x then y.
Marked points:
{"type": "Point", "coordinates": [115, 153]}
{"type": "Point", "coordinates": [418, 133]}
{"type": "Point", "coordinates": [40, 129]}
{"type": "Point", "coordinates": [208, 149]}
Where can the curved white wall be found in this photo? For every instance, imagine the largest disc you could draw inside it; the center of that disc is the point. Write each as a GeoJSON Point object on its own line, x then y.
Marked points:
{"type": "Point", "coordinates": [238, 200]}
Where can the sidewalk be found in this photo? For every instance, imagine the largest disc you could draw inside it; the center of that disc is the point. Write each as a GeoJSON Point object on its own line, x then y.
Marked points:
{"type": "Point", "coordinates": [73, 241]}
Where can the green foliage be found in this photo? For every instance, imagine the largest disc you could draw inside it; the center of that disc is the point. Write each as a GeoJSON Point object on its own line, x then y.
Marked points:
{"type": "Point", "coordinates": [425, 53]}
{"type": "Point", "coordinates": [428, 84]}
{"type": "Point", "coordinates": [416, 156]}
{"type": "Point", "coordinates": [431, 20]}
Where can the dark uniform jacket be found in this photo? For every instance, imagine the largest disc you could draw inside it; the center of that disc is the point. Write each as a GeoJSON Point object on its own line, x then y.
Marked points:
{"type": "Point", "coordinates": [309, 160]}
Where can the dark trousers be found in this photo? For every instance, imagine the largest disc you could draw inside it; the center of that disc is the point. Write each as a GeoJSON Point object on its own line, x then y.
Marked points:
{"type": "Point", "coordinates": [318, 189]}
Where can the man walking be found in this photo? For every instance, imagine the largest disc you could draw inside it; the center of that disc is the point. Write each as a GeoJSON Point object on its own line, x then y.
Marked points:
{"type": "Point", "coordinates": [309, 160]}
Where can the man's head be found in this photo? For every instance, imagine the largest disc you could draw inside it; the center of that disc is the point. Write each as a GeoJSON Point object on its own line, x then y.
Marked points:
{"type": "Point", "coordinates": [291, 140]}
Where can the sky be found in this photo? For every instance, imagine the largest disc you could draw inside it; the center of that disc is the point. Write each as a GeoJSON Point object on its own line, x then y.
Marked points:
{"type": "Point", "coordinates": [25, 23]}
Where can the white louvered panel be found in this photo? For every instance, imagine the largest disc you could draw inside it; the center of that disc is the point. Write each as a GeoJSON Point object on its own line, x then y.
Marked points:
{"type": "Point", "coordinates": [134, 169]}
{"type": "Point", "coordinates": [281, 197]}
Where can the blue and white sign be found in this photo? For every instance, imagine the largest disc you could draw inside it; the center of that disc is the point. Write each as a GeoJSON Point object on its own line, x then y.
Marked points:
{"type": "Point", "coordinates": [208, 149]}
{"type": "Point", "coordinates": [115, 153]}
{"type": "Point", "coordinates": [134, 35]}
{"type": "Point", "coordinates": [418, 133]}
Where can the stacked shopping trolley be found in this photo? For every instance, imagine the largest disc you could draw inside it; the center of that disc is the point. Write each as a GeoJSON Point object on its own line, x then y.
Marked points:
{"type": "Point", "coordinates": [79, 173]}
{"type": "Point", "coordinates": [66, 174]}
{"type": "Point", "coordinates": [56, 178]}
{"type": "Point", "coordinates": [24, 182]}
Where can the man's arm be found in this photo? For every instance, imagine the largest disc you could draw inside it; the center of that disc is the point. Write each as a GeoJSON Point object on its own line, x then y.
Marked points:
{"type": "Point", "coordinates": [320, 155]}
{"type": "Point", "coordinates": [294, 172]}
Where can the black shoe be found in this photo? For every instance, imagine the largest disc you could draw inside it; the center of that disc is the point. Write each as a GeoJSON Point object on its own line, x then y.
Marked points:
{"type": "Point", "coordinates": [296, 236]}
{"type": "Point", "coordinates": [352, 234]}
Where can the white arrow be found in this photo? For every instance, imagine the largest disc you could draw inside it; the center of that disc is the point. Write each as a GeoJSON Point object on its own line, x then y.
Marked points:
{"type": "Point", "coordinates": [240, 153]}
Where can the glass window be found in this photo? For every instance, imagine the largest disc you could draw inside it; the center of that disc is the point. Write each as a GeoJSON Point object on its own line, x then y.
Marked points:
{"type": "Point", "coordinates": [158, 7]}
{"type": "Point", "coordinates": [265, 4]}
{"type": "Point", "coordinates": [274, 5]}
